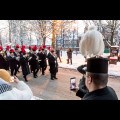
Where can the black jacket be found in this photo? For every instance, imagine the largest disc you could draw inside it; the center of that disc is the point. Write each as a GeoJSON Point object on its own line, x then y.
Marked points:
{"type": "Point", "coordinates": [43, 57]}
{"type": "Point", "coordinates": [12, 62]}
{"type": "Point", "coordinates": [48, 56]}
{"type": "Point", "coordinates": [30, 55]}
{"type": "Point", "coordinates": [82, 87]}
{"type": "Point", "coordinates": [34, 63]}
{"type": "Point", "coordinates": [39, 56]}
{"type": "Point", "coordinates": [16, 60]}
{"type": "Point", "coordinates": [53, 64]}
{"type": "Point", "coordinates": [106, 93]}
{"type": "Point", "coordinates": [2, 62]}
{"type": "Point", "coordinates": [24, 65]}
{"type": "Point", "coordinates": [15, 54]}
{"type": "Point", "coordinates": [81, 69]}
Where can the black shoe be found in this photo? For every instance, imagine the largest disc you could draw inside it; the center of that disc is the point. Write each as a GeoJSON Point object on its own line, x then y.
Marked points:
{"type": "Point", "coordinates": [36, 76]}
{"type": "Point", "coordinates": [52, 78]}
{"type": "Point", "coordinates": [26, 80]}
{"type": "Point", "coordinates": [55, 78]}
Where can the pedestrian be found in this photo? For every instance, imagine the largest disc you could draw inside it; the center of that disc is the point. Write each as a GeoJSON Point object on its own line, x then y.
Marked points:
{"type": "Point", "coordinates": [12, 63]}
{"type": "Point", "coordinates": [53, 65]}
{"type": "Point", "coordinates": [58, 54]}
{"type": "Point", "coordinates": [24, 64]}
{"type": "Point", "coordinates": [7, 92]}
{"type": "Point", "coordinates": [34, 62]}
{"type": "Point", "coordinates": [69, 55]}
{"type": "Point", "coordinates": [97, 79]}
{"type": "Point", "coordinates": [43, 61]}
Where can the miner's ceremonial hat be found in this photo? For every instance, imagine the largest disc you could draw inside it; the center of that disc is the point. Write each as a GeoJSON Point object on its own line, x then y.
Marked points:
{"type": "Point", "coordinates": [97, 65]}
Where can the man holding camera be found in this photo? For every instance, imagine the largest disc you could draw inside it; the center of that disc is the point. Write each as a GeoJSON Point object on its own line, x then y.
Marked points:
{"type": "Point", "coordinates": [96, 81]}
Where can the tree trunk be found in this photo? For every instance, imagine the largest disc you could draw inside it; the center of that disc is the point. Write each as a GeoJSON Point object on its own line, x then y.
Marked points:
{"type": "Point", "coordinates": [0, 40]}
{"type": "Point", "coordinates": [112, 34]}
{"type": "Point", "coordinates": [54, 33]}
{"type": "Point", "coordinates": [44, 40]}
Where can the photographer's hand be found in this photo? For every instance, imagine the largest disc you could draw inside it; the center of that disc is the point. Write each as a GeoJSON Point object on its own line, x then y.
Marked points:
{"type": "Point", "coordinates": [76, 89]}
{"type": "Point", "coordinates": [16, 80]}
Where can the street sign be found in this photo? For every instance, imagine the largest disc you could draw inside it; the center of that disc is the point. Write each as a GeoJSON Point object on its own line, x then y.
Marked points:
{"type": "Point", "coordinates": [62, 41]}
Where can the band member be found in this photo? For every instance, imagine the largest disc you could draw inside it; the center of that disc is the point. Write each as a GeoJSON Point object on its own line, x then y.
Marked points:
{"type": "Point", "coordinates": [29, 56]}
{"type": "Point", "coordinates": [24, 64]}
{"type": "Point", "coordinates": [34, 62]}
{"type": "Point", "coordinates": [43, 61]}
{"type": "Point", "coordinates": [16, 54]}
{"type": "Point", "coordinates": [7, 53]}
{"type": "Point", "coordinates": [45, 50]}
{"type": "Point", "coordinates": [30, 51]}
{"type": "Point", "coordinates": [2, 60]}
{"type": "Point", "coordinates": [53, 65]}
{"type": "Point", "coordinates": [12, 63]}
{"type": "Point", "coordinates": [39, 56]}
{"type": "Point", "coordinates": [49, 54]}
{"type": "Point", "coordinates": [1, 49]}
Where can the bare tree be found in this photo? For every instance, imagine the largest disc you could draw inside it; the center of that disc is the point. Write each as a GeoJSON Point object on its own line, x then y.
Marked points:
{"type": "Point", "coordinates": [111, 26]}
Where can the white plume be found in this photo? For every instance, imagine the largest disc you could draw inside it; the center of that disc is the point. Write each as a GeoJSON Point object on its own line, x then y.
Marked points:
{"type": "Point", "coordinates": [92, 43]}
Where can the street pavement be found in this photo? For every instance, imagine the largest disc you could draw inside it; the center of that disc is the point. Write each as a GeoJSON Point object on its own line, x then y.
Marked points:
{"type": "Point", "coordinates": [59, 89]}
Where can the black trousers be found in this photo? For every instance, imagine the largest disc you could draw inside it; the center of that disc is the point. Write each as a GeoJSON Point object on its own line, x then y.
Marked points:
{"type": "Point", "coordinates": [43, 69]}
{"type": "Point", "coordinates": [53, 75]}
{"type": "Point", "coordinates": [40, 66]}
{"type": "Point", "coordinates": [18, 66]}
{"type": "Point", "coordinates": [25, 77]}
{"type": "Point", "coordinates": [35, 72]}
{"type": "Point", "coordinates": [14, 71]}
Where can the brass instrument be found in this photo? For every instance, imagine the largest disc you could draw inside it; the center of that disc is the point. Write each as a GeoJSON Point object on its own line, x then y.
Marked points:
{"type": "Point", "coordinates": [4, 55]}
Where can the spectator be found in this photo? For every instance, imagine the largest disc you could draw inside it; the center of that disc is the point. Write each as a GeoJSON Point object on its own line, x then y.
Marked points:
{"type": "Point", "coordinates": [97, 79]}
{"type": "Point", "coordinates": [69, 54]}
{"type": "Point", "coordinates": [7, 92]}
{"type": "Point", "coordinates": [58, 54]}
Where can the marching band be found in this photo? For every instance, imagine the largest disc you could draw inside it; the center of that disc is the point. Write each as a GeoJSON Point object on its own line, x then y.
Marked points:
{"type": "Point", "coordinates": [31, 62]}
